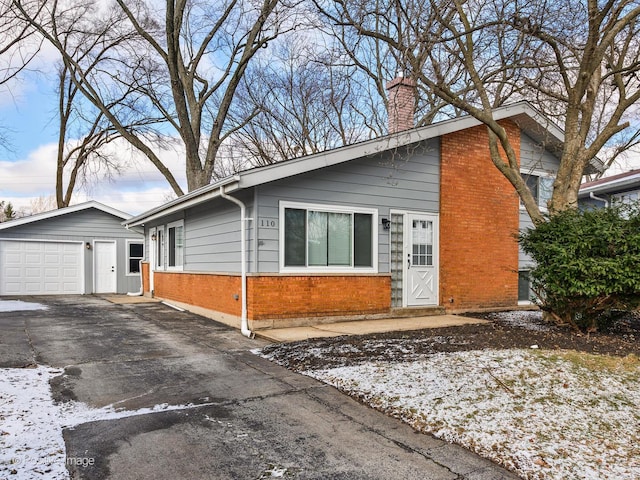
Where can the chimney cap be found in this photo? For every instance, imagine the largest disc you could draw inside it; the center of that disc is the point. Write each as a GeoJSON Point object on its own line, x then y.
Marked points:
{"type": "Point", "coordinates": [401, 80]}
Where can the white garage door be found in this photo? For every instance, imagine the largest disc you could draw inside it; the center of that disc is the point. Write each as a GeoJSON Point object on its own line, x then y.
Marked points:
{"type": "Point", "coordinates": [40, 268]}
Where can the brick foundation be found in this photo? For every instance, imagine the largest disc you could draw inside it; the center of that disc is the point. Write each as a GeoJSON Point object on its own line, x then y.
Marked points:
{"type": "Point", "coordinates": [479, 218]}
{"type": "Point", "coordinates": [284, 296]}
{"type": "Point", "coordinates": [279, 296]}
{"type": "Point", "coordinates": [211, 291]}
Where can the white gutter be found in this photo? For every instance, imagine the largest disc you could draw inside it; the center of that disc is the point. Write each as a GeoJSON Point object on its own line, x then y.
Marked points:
{"type": "Point", "coordinates": [593, 196]}
{"type": "Point", "coordinates": [244, 326]}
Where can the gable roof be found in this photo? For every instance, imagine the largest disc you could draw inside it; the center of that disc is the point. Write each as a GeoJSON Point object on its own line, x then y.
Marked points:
{"type": "Point", "coordinates": [64, 211]}
{"type": "Point", "coordinates": [613, 183]}
{"type": "Point", "coordinates": [536, 125]}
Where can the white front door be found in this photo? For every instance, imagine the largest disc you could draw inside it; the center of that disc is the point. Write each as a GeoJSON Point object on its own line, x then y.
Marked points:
{"type": "Point", "coordinates": [421, 252]}
{"type": "Point", "coordinates": [104, 257]}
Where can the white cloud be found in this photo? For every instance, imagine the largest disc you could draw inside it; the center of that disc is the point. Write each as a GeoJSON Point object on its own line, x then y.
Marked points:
{"type": "Point", "coordinates": [137, 188]}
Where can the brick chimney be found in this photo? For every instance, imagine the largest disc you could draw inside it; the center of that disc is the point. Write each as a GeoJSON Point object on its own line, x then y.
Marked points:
{"type": "Point", "coordinates": [402, 98]}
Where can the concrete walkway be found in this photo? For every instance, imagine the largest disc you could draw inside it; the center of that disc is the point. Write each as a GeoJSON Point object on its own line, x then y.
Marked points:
{"type": "Point", "coordinates": [363, 327]}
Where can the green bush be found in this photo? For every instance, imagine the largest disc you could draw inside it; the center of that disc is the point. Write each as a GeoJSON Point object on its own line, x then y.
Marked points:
{"type": "Point", "coordinates": [587, 265]}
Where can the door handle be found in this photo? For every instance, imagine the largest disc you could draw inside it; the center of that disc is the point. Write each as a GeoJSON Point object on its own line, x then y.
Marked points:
{"type": "Point", "coordinates": [113, 269]}
{"type": "Point", "coordinates": [408, 260]}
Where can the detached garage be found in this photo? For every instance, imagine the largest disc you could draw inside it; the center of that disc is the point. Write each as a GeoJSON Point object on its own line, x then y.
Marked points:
{"type": "Point", "coordinates": [80, 249]}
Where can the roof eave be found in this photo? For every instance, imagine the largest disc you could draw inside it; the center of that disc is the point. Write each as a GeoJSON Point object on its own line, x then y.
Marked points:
{"type": "Point", "coordinates": [64, 211]}
{"type": "Point", "coordinates": [189, 200]}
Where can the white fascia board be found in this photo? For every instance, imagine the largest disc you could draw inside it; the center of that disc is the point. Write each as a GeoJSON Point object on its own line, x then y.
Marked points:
{"type": "Point", "coordinates": [64, 211]}
{"type": "Point", "coordinates": [613, 186]}
{"type": "Point", "coordinates": [189, 200]}
{"type": "Point", "coordinates": [289, 168]}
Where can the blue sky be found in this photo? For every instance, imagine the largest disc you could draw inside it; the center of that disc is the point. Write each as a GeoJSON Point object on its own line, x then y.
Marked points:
{"type": "Point", "coordinates": [27, 169]}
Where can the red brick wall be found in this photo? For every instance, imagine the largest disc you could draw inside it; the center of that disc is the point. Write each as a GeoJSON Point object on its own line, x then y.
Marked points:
{"type": "Point", "coordinates": [284, 296]}
{"type": "Point", "coordinates": [215, 292]}
{"type": "Point", "coordinates": [479, 216]}
{"type": "Point", "coordinates": [276, 296]}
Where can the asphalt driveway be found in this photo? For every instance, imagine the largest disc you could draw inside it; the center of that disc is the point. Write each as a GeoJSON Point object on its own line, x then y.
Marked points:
{"type": "Point", "coordinates": [252, 419]}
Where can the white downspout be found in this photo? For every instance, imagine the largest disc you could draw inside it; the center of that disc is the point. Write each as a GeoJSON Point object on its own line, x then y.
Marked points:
{"type": "Point", "coordinates": [244, 326]}
{"type": "Point", "coordinates": [593, 196]}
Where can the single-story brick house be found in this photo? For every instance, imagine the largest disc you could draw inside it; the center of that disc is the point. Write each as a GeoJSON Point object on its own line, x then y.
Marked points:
{"type": "Point", "coordinates": [417, 220]}
{"type": "Point", "coordinates": [80, 249]}
{"type": "Point", "coordinates": [621, 188]}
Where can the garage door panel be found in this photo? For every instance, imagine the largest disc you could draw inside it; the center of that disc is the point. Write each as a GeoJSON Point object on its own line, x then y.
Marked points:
{"type": "Point", "coordinates": [32, 268]}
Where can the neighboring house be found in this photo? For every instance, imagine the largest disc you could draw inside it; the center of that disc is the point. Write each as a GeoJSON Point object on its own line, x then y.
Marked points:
{"type": "Point", "coordinates": [80, 249]}
{"type": "Point", "coordinates": [622, 188]}
{"type": "Point", "coordinates": [414, 221]}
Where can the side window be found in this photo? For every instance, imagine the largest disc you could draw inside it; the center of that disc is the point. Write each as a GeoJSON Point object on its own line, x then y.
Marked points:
{"type": "Point", "coordinates": [135, 253]}
{"type": "Point", "coordinates": [175, 247]}
{"type": "Point", "coordinates": [160, 248]}
{"type": "Point", "coordinates": [541, 187]}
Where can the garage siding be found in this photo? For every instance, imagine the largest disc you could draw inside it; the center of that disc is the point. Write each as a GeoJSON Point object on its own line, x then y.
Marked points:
{"type": "Point", "coordinates": [82, 227]}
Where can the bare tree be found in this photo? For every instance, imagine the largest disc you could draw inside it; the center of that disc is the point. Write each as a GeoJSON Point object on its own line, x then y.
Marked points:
{"type": "Point", "coordinates": [184, 69]}
{"type": "Point", "coordinates": [302, 103]}
{"type": "Point", "coordinates": [579, 60]}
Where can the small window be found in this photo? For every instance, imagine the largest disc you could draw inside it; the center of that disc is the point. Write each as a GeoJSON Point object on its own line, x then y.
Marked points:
{"type": "Point", "coordinates": [159, 248]}
{"type": "Point", "coordinates": [331, 238]}
{"type": "Point", "coordinates": [541, 188]}
{"type": "Point", "coordinates": [135, 253]}
{"type": "Point", "coordinates": [525, 293]}
{"type": "Point", "coordinates": [175, 234]}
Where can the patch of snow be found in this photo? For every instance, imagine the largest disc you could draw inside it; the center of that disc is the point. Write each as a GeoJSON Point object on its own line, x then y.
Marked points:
{"type": "Point", "coordinates": [31, 424]}
{"type": "Point", "coordinates": [534, 412]}
{"type": "Point", "coordinates": [529, 320]}
{"type": "Point", "coordinates": [19, 305]}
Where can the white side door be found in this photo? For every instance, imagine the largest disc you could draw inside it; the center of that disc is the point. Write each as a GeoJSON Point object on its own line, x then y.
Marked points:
{"type": "Point", "coordinates": [421, 253]}
{"type": "Point", "coordinates": [105, 261]}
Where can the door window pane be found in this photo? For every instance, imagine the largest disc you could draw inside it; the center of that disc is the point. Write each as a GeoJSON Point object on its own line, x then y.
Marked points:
{"type": "Point", "coordinates": [422, 240]}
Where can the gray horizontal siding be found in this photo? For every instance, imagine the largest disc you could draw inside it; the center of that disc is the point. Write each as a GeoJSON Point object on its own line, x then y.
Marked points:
{"type": "Point", "coordinates": [212, 236]}
{"type": "Point", "coordinates": [87, 224]}
{"type": "Point", "coordinates": [407, 179]}
{"type": "Point", "coordinates": [533, 157]}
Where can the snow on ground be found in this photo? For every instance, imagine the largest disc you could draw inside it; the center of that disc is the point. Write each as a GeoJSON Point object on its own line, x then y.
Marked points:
{"type": "Point", "coordinates": [19, 305]}
{"type": "Point", "coordinates": [31, 424]}
{"type": "Point", "coordinates": [543, 415]}
{"type": "Point", "coordinates": [529, 320]}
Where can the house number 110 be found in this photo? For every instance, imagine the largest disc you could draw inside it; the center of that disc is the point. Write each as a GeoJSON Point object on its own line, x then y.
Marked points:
{"type": "Point", "coordinates": [268, 223]}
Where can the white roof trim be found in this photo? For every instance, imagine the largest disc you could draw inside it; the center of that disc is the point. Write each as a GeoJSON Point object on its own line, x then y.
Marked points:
{"type": "Point", "coordinates": [64, 211]}
{"type": "Point", "coordinates": [533, 122]}
{"type": "Point", "coordinates": [613, 185]}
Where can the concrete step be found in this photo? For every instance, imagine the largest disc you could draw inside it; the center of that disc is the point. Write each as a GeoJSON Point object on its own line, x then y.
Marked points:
{"type": "Point", "coordinates": [416, 312]}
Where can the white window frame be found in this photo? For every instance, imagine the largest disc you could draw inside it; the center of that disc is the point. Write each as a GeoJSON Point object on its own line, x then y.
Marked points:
{"type": "Point", "coordinates": [330, 209]}
{"type": "Point", "coordinates": [129, 258]}
{"type": "Point", "coordinates": [539, 174]}
{"type": "Point", "coordinates": [167, 246]}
